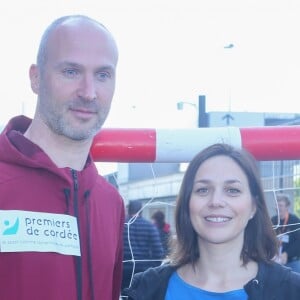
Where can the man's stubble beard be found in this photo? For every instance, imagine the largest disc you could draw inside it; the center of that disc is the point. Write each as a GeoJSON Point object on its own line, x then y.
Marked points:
{"type": "Point", "coordinates": [54, 117]}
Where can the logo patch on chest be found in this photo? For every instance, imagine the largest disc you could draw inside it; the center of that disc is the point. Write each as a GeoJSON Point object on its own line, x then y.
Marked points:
{"type": "Point", "coordinates": [22, 231]}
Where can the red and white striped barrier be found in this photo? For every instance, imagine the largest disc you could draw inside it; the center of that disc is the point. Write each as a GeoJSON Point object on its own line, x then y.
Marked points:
{"type": "Point", "coordinates": [181, 145]}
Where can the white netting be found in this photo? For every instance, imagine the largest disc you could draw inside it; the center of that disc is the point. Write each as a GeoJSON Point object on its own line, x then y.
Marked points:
{"type": "Point", "coordinates": [159, 192]}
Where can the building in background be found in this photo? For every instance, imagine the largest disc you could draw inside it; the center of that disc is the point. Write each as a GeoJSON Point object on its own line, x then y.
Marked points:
{"type": "Point", "coordinates": [157, 184]}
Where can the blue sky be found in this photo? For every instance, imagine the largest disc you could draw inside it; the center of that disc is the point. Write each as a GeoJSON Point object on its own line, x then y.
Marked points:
{"type": "Point", "coordinates": [170, 51]}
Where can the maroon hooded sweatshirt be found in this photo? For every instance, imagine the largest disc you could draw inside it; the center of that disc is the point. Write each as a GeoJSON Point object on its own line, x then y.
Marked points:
{"type": "Point", "coordinates": [29, 181]}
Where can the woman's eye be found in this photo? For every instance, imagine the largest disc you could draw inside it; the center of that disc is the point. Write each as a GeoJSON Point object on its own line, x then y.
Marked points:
{"type": "Point", "coordinates": [202, 191]}
{"type": "Point", "coordinates": [233, 191]}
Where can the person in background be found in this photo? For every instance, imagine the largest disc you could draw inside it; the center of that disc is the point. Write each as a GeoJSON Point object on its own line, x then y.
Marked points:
{"type": "Point", "coordinates": [61, 222]}
{"type": "Point", "coordinates": [142, 245]}
{"type": "Point", "coordinates": [158, 218]}
{"type": "Point", "coordinates": [225, 244]}
{"type": "Point", "coordinates": [287, 226]}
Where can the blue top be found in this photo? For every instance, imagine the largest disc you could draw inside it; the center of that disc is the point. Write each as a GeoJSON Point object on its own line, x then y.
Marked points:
{"type": "Point", "coordinates": [179, 289]}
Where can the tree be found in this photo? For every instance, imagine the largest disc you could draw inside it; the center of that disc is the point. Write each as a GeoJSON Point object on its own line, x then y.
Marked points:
{"type": "Point", "coordinates": [297, 197]}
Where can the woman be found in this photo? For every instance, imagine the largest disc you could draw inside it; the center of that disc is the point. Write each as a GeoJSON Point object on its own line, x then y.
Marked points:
{"type": "Point", "coordinates": [225, 242]}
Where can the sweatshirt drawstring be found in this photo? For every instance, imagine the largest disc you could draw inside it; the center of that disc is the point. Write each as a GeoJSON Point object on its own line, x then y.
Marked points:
{"type": "Point", "coordinates": [89, 242]}
{"type": "Point", "coordinates": [78, 259]}
{"type": "Point", "coordinates": [67, 197]}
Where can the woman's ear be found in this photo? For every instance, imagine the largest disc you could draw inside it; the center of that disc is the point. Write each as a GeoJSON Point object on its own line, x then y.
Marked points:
{"type": "Point", "coordinates": [253, 208]}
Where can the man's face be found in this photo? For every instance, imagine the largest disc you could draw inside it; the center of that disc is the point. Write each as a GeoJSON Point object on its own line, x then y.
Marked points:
{"type": "Point", "coordinates": [76, 85]}
{"type": "Point", "coordinates": [283, 209]}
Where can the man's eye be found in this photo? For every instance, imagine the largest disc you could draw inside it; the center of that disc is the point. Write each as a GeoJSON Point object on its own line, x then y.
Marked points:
{"type": "Point", "coordinates": [70, 73]}
{"type": "Point", "coordinates": [102, 76]}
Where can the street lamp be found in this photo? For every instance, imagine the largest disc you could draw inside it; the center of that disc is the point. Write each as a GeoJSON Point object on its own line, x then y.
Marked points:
{"type": "Point", "coordinates": [182, 103]}
{"type": "Point", "coordinates": [228, 48]}
{"type": "Point", "coordinates": [201, 110]}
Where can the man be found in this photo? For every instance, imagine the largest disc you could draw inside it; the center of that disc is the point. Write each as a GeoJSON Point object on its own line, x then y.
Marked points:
{"type": "Point", "coordinates": [142, 245]}
{"type": "Point", "coordinates": [288, 232]}
{"type": "Point", "coordinates": [61, 223]}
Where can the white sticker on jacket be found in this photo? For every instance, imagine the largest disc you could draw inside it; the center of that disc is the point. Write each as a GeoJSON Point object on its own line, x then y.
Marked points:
{"type": "Point", "coordinates": [284, 238]}
{"type": "Point", "coordinates": [22, 231]}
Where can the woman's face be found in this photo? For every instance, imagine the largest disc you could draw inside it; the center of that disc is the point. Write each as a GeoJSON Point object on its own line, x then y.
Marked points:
{"type": "Point", "coordinates": [221, 203]}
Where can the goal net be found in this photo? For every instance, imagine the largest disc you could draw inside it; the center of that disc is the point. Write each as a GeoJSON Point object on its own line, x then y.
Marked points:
{"type": "Point", "coordinates": [276, 148]}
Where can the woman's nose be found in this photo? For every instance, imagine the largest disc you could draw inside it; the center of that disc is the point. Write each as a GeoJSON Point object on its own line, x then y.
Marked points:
{"type": "Point", "coordinates": [217, 199]}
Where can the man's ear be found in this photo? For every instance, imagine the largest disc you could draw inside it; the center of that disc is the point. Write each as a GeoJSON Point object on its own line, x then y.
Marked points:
{"type": "Point", "coordinates": [34, 76]}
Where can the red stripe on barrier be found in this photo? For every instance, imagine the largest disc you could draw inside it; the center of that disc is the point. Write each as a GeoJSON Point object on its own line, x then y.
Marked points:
{"type": "Point", "coordinates": [124, 145]}
{"type": "Point", "coordinates": [273, 142]}
{"type": "Point", "coordinates": [139, 145]}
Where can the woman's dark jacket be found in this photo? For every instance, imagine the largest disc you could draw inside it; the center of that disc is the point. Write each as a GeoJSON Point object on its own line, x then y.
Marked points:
{"type": "Point", "coordinates": [273, 282]}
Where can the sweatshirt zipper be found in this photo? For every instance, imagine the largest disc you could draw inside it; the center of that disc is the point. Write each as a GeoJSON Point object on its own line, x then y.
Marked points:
{"type": "Point", "coordinates": [78, 261]}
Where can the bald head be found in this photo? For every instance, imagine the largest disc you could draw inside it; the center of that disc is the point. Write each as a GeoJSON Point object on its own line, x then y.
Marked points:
{"type": "Point", "coordinates": [69, 22]}
{"type": "Point", "coordinates": [74, 77]}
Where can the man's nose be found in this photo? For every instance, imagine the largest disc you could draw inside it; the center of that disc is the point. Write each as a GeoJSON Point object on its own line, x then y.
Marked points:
{"type": "Point", "coordinates": [87, 89]}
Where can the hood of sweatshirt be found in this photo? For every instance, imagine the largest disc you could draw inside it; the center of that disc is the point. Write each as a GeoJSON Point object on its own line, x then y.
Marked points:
{"type": "Point", "coordinates": [20, 152]}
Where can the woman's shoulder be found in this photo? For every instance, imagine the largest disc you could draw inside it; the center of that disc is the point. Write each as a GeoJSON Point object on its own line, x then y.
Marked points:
{"type": "Point", "coordinates": [275, 267]}
{"type": "Point", "coordinates": [150, 282]}
{"type": "Point", "coordinates": [162, 271]}
{"type": "Point", "coordinates": [278, 275]}
{"type": "Point", "coordinates": [274, 281]}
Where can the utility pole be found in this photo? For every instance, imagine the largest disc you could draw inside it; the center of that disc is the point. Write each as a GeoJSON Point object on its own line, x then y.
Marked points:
{"type": "Point", "coordinates": [202, 114]}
